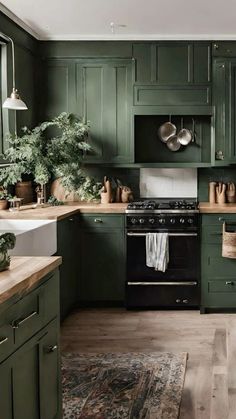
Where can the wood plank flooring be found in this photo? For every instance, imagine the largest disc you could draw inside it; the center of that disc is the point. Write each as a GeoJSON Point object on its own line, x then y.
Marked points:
{"type": "Point", "coordinates": [210, 340]}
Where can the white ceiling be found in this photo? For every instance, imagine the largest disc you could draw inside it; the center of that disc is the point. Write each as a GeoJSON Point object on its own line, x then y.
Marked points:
{"type": "Point", "coordinates": [145, 19]}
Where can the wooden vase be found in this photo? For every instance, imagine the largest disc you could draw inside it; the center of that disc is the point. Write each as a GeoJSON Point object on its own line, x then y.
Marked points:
{"type": "Point", "coordinates": [24, 190]}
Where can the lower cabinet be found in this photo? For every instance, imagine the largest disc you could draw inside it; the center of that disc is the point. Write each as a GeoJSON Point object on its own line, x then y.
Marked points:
{"type": "Point", "coordinates": [102, 259]}
{"type": "Point", "coordinates": [30, 382]}
{"type": "Point", "coordinates": [218, 276]}
{"type": "Point", "coordinates": [67, 247]}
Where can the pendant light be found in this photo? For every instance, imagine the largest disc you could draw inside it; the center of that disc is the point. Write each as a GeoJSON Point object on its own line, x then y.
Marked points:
{"type": "Point", "coordinates": [13, 102]}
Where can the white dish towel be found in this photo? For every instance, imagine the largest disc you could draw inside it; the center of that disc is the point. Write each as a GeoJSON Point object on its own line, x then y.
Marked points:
{"type": "Point", "coordinates": [157, 251]}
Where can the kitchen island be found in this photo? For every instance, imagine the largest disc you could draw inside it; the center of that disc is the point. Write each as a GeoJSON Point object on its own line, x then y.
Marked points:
{"type": "Point", "coordinates": [29, 339]}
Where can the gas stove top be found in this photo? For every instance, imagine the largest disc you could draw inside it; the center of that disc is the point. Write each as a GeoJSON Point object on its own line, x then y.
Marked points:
{"type": "Point", "coordinates": [160, 205]}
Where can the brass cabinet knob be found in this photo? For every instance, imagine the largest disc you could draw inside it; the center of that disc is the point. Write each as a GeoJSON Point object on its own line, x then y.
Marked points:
{"type": "Point", "coordinates": [50, 349]}
{"type": "Point", "coordinates": [216, 46]}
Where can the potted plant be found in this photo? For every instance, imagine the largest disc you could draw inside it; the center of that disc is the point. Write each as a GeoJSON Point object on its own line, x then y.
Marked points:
{"type": "Point", "coordinates": [4, 196]}
{"type": "Point", "coordinates": [7, 242]}
{"type": "Point", "coordinates": [54, 149]}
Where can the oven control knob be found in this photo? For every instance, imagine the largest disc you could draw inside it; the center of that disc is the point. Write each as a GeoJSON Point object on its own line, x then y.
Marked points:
{"type": "Point", "coordinates": [172, 220]}
{"type": "Point", "coordinates": [162, 220]}
{"type": "Point", "coordinates": [185, 301]}
{"type": "Point", "coordinates": [178, 301]}
{"type": "Point", "coordinates": [141, 220]}
{"type": "Point", "coordinates": [151, 220]}
{"type": "Point", "coordinates": [182, 220]}
{"type": "Point", "coordinates": [133, 220]}
{"type": "Point", "coordinates": [190, 221]}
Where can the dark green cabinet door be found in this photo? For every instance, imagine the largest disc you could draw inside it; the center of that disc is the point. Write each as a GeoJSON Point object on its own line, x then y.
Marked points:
{"type": "Point", "coordinates": [102, 270]}
{"type": "Point", "coordinates": [224, 84]}
{"type": "Point", "coordinates": [50, 376]}
{"type": "Point", "coordinates": [104, 92]}
{"type": "Point", "coordinates": [221, 103]}
{"type": "Point", "coordinates": [29, 379]}
{"type": "Point", "coordinates": [58, 88]}
{"type": "Point", "coordinates": [67, 247]}
{"type": "Point", "coordinates": [172, 63]}
{"type": "Point", "coordinates": [218, 277]}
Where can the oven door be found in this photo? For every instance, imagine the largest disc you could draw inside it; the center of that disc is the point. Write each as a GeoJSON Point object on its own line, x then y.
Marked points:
{"type": "Point", "coordinates": [177, 286]}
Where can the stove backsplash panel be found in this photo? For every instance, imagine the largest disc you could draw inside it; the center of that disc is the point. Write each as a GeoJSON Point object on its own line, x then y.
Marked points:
{"type": "Point", "coordinates": [168, 183]}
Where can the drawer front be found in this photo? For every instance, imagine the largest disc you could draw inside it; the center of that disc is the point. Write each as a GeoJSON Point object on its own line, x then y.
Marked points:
{"type": "Point", "coordinates": [6, 341]}
{"type": "Point", "coordinates": [98, 221]}
{"type": "Point", "coordinates": [29, 317]}
{"type": "Point", "coordinates": [228, 286]}
{"type": "Point", "coordinates": [163, 95]}
{"type": "Point", "coordinates": [217, 219]}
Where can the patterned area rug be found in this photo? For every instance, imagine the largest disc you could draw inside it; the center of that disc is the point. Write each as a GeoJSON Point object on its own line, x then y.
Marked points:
{"type": "Point", "coordinates": [123, 386]}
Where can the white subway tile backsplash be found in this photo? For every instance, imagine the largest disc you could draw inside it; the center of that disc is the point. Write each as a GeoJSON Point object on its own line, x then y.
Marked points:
{"type": "Point", "coordinates": [168, 183]}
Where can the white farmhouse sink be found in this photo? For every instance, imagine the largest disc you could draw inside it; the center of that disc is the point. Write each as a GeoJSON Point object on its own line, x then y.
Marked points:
{"type": "Point", "coordinates": [33, 237]}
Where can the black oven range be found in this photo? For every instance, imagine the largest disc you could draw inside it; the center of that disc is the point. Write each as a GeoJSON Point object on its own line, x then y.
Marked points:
{"type": "Point", "coordinates": [179, 285]}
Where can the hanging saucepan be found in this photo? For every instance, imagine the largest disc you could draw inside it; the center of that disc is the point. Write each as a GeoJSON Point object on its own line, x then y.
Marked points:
{"type": "Point", "coordinates": [173, 143]}
{"type": "Point", "coordinates": [166, 130]}
{"type": "Point", "coordinates": [184, 135]}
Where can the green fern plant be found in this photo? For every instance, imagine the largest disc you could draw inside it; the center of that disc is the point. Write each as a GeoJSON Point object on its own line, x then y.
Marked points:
{"type": "Point", "coordinates": [45, 157]}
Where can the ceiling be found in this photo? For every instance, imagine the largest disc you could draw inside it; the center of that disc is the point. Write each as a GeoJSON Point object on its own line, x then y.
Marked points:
{"type": "Point", "coordinates": [149, 19]}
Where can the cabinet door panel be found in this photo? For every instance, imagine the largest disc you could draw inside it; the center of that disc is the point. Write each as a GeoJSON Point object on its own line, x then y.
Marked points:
{"type": "Point", "coordinates": [50, 388]}
{"type": "Point", "coordinates": [174, 64]}
{"type": "Point", "coordinates": [6, 391]}
{"type": "Point", "coordinates": [102, 275]}
{"type": "Point", "coordinates": [58, 89]}
{"type": "Point", "coordinates": [106, 89]}
{"type": "Point", "coordinates": [26, 384]}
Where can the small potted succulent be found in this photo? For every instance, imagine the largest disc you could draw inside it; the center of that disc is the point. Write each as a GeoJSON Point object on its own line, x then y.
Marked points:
{"type": "Point", "coordinates": [7, 242]}
{"type": "Point", "coordinates": [4, 197]}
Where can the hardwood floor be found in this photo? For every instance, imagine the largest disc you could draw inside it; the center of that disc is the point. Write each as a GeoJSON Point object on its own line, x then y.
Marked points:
{"type": "Point", "coordinates": [210, 340]}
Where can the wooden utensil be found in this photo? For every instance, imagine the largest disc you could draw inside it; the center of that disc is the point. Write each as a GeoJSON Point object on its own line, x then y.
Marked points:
{"type": "Point", "coordinates": [212, 192]}
{"type": "Point", "coordinates": [230, 192]}
{"type": "Point", "coordinates": [220, 193]}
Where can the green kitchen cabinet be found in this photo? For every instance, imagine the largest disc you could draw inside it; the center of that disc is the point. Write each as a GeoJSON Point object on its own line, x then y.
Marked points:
{"type": "Point", "coordinates": [218, 274]}
{"type": "Point", "coordinates": [30, 379]}
{"type": "Point", "coordinates": [29, 382]}
{"type": "Point", "coordinates": [172, 73]}
{"type": "Point", "coordinates": [102, 266]}
{"type": "Point", "coordinates": [224, 85]}
{"type": "Point", "coordinates": [67, 247]}
{"type": "Point", "coordinates": [100, 91]}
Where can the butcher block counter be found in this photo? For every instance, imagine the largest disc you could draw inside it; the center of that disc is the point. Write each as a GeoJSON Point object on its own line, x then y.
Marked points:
{"type": "Point", "coordinates": [62, 211]}
{"type": "Point", "coordinates": [25, 273]}
{"type": "Point", "coordinates": [207, 208]}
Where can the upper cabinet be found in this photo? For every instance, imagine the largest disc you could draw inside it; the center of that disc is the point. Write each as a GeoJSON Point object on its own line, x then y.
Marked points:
{"type": "Point", "coordinates": [224, 85]}
{"type": "Point", "coordinates": [100, 91]}
{"type": "Point", "coordinates": [172, 62]}
{"type": "Point", "coordinates": [172, 73]}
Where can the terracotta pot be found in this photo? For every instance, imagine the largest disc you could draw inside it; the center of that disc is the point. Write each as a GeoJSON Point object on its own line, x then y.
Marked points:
{"type": "Point", "coordinates": [3, 204]}
{"type": "Point", "coordinates": [24, 190]}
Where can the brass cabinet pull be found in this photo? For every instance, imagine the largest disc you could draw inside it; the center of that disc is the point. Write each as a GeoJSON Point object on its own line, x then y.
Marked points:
{"type": "Point", "coordinates": [3, 340]}
{"type": "Point", "coordinates": [219, 155]}
{"type": "Point", "coordinates": [97, 220]}
{"type": "Point", "coordinates": [216, 46]}
{"type": "Point", "coordinates": [71, 219]}
{"type": "Point", "coordinates": [50, 349]}
{"type": "Point", "coordinates": [18, 323]}
{"type": "Point", "coordinates": [229, 283]}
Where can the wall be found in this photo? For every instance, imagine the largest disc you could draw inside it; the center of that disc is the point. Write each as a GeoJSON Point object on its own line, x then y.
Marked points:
{"type": "Point", "coordinates": [27, 64]}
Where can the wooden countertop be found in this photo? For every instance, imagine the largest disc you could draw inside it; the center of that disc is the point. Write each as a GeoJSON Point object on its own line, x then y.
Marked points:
{"type": "Point", "coordinates": [207, 208]}
{"type": "Point", "coordinates": [24, 273]}
{"type": "Point", "coordinates": [62, 211]}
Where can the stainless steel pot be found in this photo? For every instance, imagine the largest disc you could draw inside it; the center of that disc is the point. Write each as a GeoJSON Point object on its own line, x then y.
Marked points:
{"type": "Point", "coordinates": [166, 130]}
{"type": "Point", "coordinates": [184, 135]}
{"type": "Point", "coordinates": [173, 143]}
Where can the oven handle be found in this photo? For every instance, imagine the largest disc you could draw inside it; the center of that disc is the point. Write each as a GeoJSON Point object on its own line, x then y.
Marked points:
{"type": "Point", "coordinates": [169, 234]}
{"type": "Point", "coordinates": [186, 283]}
